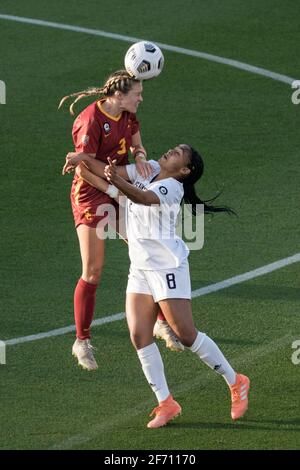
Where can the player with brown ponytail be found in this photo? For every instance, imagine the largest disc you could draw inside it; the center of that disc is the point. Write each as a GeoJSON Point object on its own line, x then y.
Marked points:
{"type": "Point", "coordinates": [106, 128]}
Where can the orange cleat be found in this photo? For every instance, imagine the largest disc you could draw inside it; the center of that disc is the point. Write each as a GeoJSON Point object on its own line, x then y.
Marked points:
{"type": "Point", "coordinates": [167, 409]}
{"type": "Point", "coordinates": [239, 396]}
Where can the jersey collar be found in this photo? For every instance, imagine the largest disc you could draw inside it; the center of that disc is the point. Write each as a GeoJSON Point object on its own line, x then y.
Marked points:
{"type": "Point", "coordinates": [100, 107]}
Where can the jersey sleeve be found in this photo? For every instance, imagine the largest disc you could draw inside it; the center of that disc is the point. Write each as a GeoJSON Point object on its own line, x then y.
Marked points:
{"type": "Point", "coordinates": [135, 125]}
{"type": "Point", "coordinates": [169, 191]}
{"type": "Point", "coordinates": [86, 132]}
{"type": "Point", "coordinates": [132, 173]}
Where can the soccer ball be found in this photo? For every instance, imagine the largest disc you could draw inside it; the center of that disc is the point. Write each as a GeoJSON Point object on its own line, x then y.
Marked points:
{"type": "Point", "coordinates": [144, 60]}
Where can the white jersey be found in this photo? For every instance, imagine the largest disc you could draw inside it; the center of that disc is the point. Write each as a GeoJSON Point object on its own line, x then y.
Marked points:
{"type": "Point", "coordinates": [151, 230]}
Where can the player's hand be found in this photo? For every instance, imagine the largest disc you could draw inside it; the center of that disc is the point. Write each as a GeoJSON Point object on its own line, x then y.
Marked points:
{"type": "Point", "coordinates": [110, 171]}
{"type": "Point", "coordinates": [143, 167]}
{"type": "Point", "coordinates": [72, 160]}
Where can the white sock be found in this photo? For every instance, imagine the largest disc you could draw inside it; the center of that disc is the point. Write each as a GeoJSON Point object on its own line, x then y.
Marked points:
{"type": "Point", "coordinates": [153, 369]}
{"type": "Point", "coordinates": [211, 355]}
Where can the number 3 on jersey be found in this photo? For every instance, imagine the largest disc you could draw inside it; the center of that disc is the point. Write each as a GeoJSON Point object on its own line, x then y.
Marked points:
{"type": "Point", "coordinates": [171, 281]}
{"type": "Point", "coordinates": [122, 144]}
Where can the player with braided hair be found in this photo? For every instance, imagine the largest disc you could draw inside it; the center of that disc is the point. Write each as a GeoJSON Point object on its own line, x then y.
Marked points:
{"type": "Point", "coordinates": [106, 128]}
{"type": "Point", "coordinates": [117, 81]}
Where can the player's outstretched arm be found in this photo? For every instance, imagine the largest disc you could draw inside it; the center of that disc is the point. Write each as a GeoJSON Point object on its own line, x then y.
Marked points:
{"type": "Point", "coordinates": [136, 195]}
{"type": "Point", "coordinates": [99, 183]}
{"type": "Point", "coordinates": [93, 180]}
{"type": "Point", "coordinates": [140, 156]}
{"type": "Point", "coordinates": [73, 159]}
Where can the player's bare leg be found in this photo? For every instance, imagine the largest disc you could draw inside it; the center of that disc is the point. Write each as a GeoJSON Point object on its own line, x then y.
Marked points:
{"type": "Point", "coordinates": [92, 255]}
{"type": "Point", "coordinates": [141, 313]}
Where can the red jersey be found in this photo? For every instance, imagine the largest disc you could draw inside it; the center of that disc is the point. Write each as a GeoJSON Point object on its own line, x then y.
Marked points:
{"type": "Point", "coordinates": [96, 131]}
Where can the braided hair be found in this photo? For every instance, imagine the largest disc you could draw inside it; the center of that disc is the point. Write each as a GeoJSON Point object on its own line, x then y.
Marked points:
{"type": "Point", "coordinates": [196, 166]}
{"type": "Point", "coordinates": [120, 80]}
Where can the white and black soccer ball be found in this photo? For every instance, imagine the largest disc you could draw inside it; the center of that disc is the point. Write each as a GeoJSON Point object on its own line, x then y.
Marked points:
{"type": "Point", "coordinates": [144, 60]}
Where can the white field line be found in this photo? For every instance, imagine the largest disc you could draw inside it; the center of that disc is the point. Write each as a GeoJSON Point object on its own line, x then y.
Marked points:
{"type": "Point", "coordinates": [179, 50]}
{"type": "Point", "coordinates": [249, 68]}
{"type": "Point", "coordinates": [200, 380]}
{"type": "Point", "coordinates": [79, 439]}
{"type": "Point", "coordinates": [268, 268]}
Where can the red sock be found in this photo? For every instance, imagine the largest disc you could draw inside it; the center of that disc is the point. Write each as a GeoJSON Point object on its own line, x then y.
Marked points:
{"type": "Point", "coordinates": [160, 316]}
{"type": "Point", "coordinates": [84, 304]}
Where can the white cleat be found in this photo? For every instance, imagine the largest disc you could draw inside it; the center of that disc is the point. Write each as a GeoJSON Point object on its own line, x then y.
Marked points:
{"type": "Point", "coordinates": [163, 331]}
{"type": "Point", "coordinates": [83, 350]}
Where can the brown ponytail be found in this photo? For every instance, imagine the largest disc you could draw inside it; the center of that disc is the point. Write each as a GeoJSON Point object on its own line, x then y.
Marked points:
{"type": "Point", "coordinates": [118, 81]}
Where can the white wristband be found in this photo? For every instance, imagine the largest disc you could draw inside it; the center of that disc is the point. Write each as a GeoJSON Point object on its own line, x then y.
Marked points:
{"type": "Point", "coordinates": [112, 191]}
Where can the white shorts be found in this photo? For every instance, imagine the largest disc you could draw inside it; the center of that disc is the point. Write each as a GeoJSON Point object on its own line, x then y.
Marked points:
{"type": "Point", "coordinates": [171, 283]}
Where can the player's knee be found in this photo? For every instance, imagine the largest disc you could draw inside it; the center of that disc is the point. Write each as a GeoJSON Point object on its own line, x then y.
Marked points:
{"type": "Point", "coordinates": [186, 341]}
{"type": "Point", "coordinates": [135, 339]}
{"type": "Point", "coordinates": [138, 340]}
{"type": "Point", "coordinates": [93, 274]}
{"type": "Point", "coordinates": [187, 338]}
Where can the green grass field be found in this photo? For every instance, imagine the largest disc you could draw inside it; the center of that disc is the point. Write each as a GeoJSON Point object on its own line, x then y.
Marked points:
{"type": "Point", "coordinates": [248, 132]}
